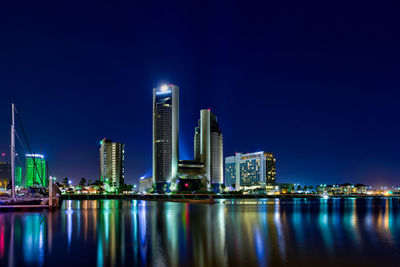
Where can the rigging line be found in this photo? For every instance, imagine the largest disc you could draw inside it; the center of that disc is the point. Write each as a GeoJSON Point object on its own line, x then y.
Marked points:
{"type": "Point", "coordinates": [19, 139]}
{"type": "Point", "coordinates": [29, 147]}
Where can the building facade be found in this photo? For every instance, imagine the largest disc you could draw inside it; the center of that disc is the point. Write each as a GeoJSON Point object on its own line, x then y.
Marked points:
{"type": "Point", "coordinates": [165, 135]}
{"type": "Point", "coordinates": [35, 170]}
{"type": "Point", "coordinates": [250, 170]}
{"type": "Point", "coordinates": [145, 184]}
{"type": "Point", "coordinates": [232, 179]}
{"type": "Point", "coordinates": [208, 147]}
{"type": "Point", "coordinates": [112, 158]}
{"type": "Point", "coordinates": [5, 175]}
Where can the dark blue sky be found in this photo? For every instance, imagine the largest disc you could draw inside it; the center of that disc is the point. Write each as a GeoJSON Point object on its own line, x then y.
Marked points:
{"type": "Point", "coordinates": [314, 82]}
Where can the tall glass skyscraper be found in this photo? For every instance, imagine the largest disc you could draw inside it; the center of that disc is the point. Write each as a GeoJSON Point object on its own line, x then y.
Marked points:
{"type": "Point", "coordinates": [112, 158]}
{"type": "Point", "coordinates": [35, 171]}
{"type": "Point", "coordinates": [165, 135]}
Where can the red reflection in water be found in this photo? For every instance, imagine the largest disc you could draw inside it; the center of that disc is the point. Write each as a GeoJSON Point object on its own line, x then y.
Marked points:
{"type": "Point", "coordinates": [2, 242]}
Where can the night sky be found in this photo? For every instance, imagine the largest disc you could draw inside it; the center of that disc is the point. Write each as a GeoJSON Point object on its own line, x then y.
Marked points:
{"type": "Point", "coordinates": [316, 83]}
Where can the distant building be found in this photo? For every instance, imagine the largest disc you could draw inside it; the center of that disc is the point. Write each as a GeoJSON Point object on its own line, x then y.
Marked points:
{"type": "Point", "coordinates": [18, 175]}
{"type": "Point", "coordinates": [250, 170]}
{"type": "Point", "coordinates": [329, 189]}
{"type": "Point", "coordinates": [145, 184]}
{"type": "Point", "coordinates": [35, 170]}
{"type": "Point", "coordinates": [232, 171]}
{"type": "Point", "coordinates": [208, 147]}
{"type": "Point", "coordinates": [5, 174]}
{"type": "Point", "coordinates": [112, 158]}
{"type": "Point", "coordinates": [346, 189]}
{"type": "Point", "coordinates": [165, 135]}
{"type": "Point", "coordinates": [361, 188]}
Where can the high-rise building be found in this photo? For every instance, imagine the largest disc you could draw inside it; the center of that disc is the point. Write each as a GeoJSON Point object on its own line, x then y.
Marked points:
{"type": "Point", "coordinates": [5, 174]}
{"type": "Point", "coordinates": [35, 171]}
{"type": "Point", "coordinates": [208, 147]}
{"type": "Point", "coordinates": [232, 171]}
{"type": "Point", "coordinates": [251, 169]}
{"type": "Point", "coordinates": [165, 135]}
{"type": "Point", "coordinates": [112, 158]}
{"type": "Point", "coordinates": [270, 169]}
{"type": "Point", "coordinates": [197, 143]}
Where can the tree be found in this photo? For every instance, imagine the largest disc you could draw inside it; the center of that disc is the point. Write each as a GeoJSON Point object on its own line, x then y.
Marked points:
{"type": "Point", "coordinates": [82, 182]}
{"type": "Point", "coordinates": [125, 187]}
{"type": "Point", "coordinates": [65, 181]}
{"type": "Point", "coordinates": [233, 186]}
{"type": "Point", "coordinates": [305, 188]}
{"type": "Point", "coordinates": [90, 182]}
{"type": "Point", "coordinates": [98, 182]}
{"type": "Point", "coordinates": [298, 187]}
{"type": "Point", "coordinates": [153, 189]}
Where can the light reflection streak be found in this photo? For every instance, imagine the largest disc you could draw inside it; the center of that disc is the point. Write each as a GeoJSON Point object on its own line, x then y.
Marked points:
{"type": "Point", "coordinates": [279, 229]}
{"type": "Point", "coordinates": [135, 241]}
{"type": "Point", "coordinates": [325, 229]}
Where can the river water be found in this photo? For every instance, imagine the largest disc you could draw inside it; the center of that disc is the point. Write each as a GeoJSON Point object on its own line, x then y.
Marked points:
{"type": "Point", "coordinates": [267, 232]}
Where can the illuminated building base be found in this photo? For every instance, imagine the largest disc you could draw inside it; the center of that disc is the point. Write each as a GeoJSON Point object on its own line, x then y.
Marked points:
{"type": "Point", "coordinates": [189, 185]}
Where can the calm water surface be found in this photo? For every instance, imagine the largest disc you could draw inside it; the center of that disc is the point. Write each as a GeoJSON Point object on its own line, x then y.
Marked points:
{"type": "Point", "coordinates": [269, 232]}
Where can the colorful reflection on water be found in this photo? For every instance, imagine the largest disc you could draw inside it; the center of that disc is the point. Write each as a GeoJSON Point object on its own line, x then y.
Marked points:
{"type": "Point", "coordinates": [269, 232]}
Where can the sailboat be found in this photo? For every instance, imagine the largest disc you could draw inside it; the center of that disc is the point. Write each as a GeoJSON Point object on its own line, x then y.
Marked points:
{"type": "Point", "coordinates": [14, 200]}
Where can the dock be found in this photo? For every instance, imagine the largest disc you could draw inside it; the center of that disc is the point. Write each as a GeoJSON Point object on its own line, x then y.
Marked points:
{"type": "Point", "coordinates": [45, 204]}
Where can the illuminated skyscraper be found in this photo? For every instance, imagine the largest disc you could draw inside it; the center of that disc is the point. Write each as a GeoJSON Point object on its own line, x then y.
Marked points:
{"type": "Point", "coordinates": [208, 147]}
{"type": "Point", "coordinates": [112, 157]}
{"type": "Point", "coordinates": [35, 171]}
{"type": "Point", "coordinates": [165, 135]}
{"type": "Point", "coordinates": [251, 169]}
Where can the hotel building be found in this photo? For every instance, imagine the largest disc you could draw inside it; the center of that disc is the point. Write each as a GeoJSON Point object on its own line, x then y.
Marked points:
{"type": "Point", "coordinates": [35, 171]}
{"type": "Point", "coordinates": [250, 170]}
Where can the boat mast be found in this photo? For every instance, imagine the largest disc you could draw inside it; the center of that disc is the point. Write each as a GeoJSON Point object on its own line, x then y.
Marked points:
{"type": "Point", "coordinates": [12, 152]}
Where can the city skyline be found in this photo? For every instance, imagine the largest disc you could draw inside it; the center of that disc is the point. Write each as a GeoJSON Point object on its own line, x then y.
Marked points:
{"type": "Point", "coordinates": [321, 96]}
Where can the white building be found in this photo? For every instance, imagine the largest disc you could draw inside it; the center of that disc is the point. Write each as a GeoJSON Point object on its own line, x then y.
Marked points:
{"type": "Point", "coordinates": [250, 170]}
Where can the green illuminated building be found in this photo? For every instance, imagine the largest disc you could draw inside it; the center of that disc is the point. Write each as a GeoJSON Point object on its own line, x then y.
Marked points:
{"type": "Point", "coordinates": [18, 175]}
{"type": "Point", "coordinates": [5, 174]}
{"type": "Point", "coordinates": [36, 171]}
